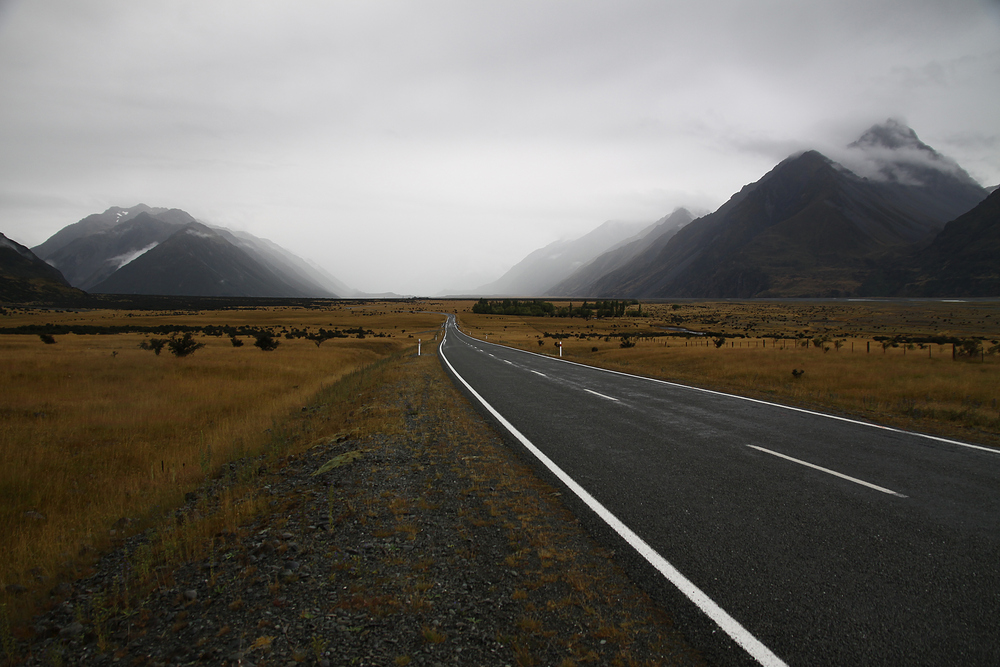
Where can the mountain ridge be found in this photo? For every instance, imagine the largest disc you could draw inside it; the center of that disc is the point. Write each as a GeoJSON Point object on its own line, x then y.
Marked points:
{"type": "Point", "coordinates": [809, 227]}
{"type": "Point", "coordinates": [94, 250]}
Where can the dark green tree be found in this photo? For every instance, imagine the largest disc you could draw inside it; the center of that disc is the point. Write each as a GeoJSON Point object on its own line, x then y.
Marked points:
{"type": "Point", "coordinates": [183, 346]}
{"type": "Point", "coordinates": [266, 342]}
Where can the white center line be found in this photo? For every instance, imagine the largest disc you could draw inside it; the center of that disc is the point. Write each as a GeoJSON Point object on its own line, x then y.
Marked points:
{"type": "Point", "coordinates": [831, 472]}
{"type": "Point", "coordinates": [507, 361]}
{"type": "Point", "coordinates": [542, 374]}
{"type": "Point", "coordinates": [610, 398]}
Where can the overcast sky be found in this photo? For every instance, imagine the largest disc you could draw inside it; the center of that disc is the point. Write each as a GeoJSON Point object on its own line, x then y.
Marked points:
{"type": "Point", "coordinates": [427, 146]}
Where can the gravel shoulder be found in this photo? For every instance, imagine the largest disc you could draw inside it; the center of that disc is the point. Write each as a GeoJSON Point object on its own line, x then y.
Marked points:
{"type": "Point", "coordinates": [393, 527]}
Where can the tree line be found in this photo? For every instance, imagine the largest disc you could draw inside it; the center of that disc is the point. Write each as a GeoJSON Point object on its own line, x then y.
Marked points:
{"type": "Point", "coordinates": [539, 308]}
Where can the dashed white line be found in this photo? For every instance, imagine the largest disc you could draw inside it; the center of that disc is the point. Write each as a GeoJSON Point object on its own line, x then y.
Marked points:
{"type": "Point", "coordinates": [542, 374]}
{"type": "Point", "coordinates": [828, 471]}
{"type": "Point", "coordinates": [757, 650]}
{"type": "Point", "coordinates": [610, 398]}
{"type": "Point", "coordinates": [959, 443]}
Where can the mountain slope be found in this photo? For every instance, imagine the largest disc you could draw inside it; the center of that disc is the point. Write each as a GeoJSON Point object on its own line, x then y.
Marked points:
{"type": "Point", "coordinates": [24, 277]}
{"type": "Point", "coordinates": [293, 269]}
{"type": "Point", "coordinates": [90, 259]}
{"type": "Point", "coordinates": [91, 251]}
{"type": "Point", "coordinates": [92, 224]}
{"type": "Point", "coordinates": [196, 261]}
{"type": "Point", "coordinates": [539, 271]}
{"type": "Point", "coordinates": [964, 259]}
{"type": "Point", "coordinates": [582, 281]}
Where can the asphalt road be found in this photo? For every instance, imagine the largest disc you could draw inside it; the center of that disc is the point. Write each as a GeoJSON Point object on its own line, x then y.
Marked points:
{"type": "Point", "coordinates": [795, 537]}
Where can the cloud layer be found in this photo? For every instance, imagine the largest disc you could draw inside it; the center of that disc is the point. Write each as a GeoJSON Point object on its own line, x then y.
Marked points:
{"type": "Point", "coordinates": [416, 147]}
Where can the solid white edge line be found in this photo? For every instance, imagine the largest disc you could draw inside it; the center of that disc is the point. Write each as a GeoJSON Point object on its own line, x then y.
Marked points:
{"type": "Point", "coordinates": [762, 402]}
{"type": "Point", "coordinates": [610, 398]}
{"type": "Point", "coordinates": [831, 472]}
{"type": "Point", "coordinates": [726, 623]}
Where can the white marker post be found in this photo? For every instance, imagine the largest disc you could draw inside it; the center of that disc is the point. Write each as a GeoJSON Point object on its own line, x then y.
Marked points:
{"type": "Point", "coordinates": [559, 343]}
{"type": "Point", "coordinates": [418, 347]}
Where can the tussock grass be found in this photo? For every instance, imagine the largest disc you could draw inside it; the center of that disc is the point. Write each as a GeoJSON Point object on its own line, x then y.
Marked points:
{"type": "Point", "coordinates": [99, 437]}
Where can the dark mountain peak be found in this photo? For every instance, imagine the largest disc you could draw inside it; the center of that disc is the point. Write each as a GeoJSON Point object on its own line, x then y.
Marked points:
{"type": "Point", "coordinates": [893, 153]}
{"type": "Point", "coordinates": [891, 134]}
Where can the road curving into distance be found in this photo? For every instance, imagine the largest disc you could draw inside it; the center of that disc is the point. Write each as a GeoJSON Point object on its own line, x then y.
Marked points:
{"type": "Point", "coordinates": [775, 535]}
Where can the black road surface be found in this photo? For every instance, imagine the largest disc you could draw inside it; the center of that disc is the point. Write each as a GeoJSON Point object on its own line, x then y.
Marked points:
{"type": "Point", "coordinates": [796, 537]}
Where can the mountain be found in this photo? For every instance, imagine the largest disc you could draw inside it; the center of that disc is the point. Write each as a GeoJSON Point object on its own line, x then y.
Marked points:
{"type": "Point", "coordinates": [538, 272]}
{"type": "Point", "coordinates": [197, 261]}
{"type": "Point", "coordinates": [809, 227]}
{"type": "Point", "coordinates": [914, 175]}
{"type": "Point", "coordinates": [964, 259]}
{"type": "Point", "coordinates": [24, 277]}
{"type": "Point", "coordinates": [89, 259]}
{"type": "Point", "coordinates": [90, 253]}
{"type": "Point", "coordinates": [649, 241]}
{"type": "Point", "coordinates": [92, 224]}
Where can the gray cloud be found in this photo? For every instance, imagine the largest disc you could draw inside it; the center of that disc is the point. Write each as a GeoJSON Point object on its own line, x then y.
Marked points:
{"type": "Point", "coordinates": [418, 146]}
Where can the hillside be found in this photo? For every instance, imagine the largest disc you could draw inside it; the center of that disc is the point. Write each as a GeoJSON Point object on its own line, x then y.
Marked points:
{"type": "Point", "coordinates": [964, 259]}
{"type": "Point", "coordinates": [196, 261]}
{"type": "Point", "coordinates": [24, 277]}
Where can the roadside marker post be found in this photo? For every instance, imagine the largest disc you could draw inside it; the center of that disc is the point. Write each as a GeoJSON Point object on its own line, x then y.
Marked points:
{"type": "Point", "coordinates": [559, 344]}
{"type": "Point", "coordinates": [418, 347]}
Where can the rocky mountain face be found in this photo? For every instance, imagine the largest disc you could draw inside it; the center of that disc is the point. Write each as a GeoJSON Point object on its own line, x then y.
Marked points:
{"type": "Point", "coordinates": [143, 250]}
{"type": "Point", "coordinates": [536, 274]}
{"type": "Point", "coordinates": [24, 277]}
{"type": "Point", "coordinates": [810, 227]}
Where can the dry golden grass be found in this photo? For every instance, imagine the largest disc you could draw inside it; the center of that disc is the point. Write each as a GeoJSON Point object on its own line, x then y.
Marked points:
{"type": "Point", "coordinates": [94, 430]}
{"type": "Point", "coordinates": [919, 387]}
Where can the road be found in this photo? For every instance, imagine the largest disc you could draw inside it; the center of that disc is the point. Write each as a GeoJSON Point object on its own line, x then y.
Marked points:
{"type": "Point", "coordinates": [775, 535]}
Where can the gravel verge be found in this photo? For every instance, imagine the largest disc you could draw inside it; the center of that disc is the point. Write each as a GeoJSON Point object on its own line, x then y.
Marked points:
{"type": "Point", "coordinates": [404, 532]}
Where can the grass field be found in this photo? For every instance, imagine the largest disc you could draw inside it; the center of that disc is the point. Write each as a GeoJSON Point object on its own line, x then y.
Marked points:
{"type": "Point", "coordinates": [868, 359]}
{"type": "Point", "coordinates": [98, 435]}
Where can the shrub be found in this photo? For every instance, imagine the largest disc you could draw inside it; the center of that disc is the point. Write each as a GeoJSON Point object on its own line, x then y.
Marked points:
{"type": "Point", "coordinates": [627, 342]}
{"type": "Point", "coordinates": [719, 342]}
{"type": "Point", "coordinates": [235, 341]}
{"type": "Point", "coordinates": [969, 348]}
{"type": "Point", "coordinates": [183, 346]}
{"type": "Point", "coordinates": [266, 342]}
{"type": "Point", "coordinates": [47, 338]}
{"type": "Point", "coordinates": [154, 344]}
